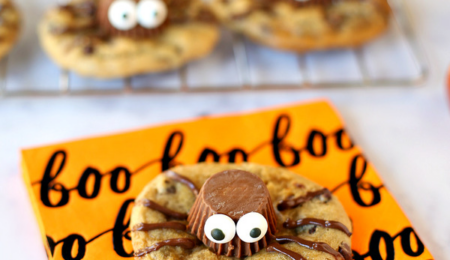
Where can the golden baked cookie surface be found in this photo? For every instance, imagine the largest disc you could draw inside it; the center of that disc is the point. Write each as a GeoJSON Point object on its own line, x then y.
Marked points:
{"type": "Point", "coordinates": [281, 184]}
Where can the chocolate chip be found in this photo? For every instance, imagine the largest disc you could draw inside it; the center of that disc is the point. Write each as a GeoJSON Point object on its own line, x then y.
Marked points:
{"type": "Point", "coordinates": [312, 230]}
{"type": "Point", "coordinates": [171, 190]}
{"type": "Point", "coordinates": [88, 49]}
{"type": "Point", "coordinates": [299, 185]}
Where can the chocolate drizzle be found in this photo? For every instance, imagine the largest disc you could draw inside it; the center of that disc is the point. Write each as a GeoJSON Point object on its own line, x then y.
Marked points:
{"type": "Point", "coordinates": [297, 3]}
{"type": "Point", "coordinates": [186, 243]}
{"type": "Point", "coordinates": [177, 177]}
{"type": "Point", "coordinates": [168, 212]}
{"type": "Point", "coordinates": [82, 9]}
{"type": "Point", "coordinates": [319, 246]}
{"type": "Point", "coordinates": [290, 203]}
{"type": "Point", "coordinates": [291, 224]}
{"type": "Point", "coordinates": [275, 247]}
{"type": "Point", "coordinates": [87, 33]}
{"type": "Point", "coordinates": [345, 251]}
{"type": "Point", "coordinates": [153, 226]}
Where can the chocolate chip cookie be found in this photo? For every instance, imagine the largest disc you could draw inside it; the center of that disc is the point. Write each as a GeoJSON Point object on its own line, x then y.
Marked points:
{"type": "Point", "coordinates": [230, 211]}
{"type": "Point", "coordinates": [122, 38]}
{"type": "Point", "coordinates": [304, 25]}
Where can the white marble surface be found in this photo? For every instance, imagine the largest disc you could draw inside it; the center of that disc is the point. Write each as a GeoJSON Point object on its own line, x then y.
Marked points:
{"type": "Point", "coordinates": [405, 132]}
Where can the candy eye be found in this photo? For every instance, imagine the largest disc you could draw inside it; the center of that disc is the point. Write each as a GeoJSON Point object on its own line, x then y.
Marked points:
{"type": "Point", "coordinates": [220, 229]}
{"type": "Point", "coordinates": [151, 13]}
{"type": "Point", "coordinates": [122, 14]}
{"type": "Point", "coordinates": [252, 227]}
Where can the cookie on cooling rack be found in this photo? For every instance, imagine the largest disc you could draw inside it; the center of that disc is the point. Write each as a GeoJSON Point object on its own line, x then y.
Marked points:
{"type": "Point", "coordinates": [304, 25]}
{"type": "Point", "coordinates": [121, 38]}
{"type": "Point", "coordinates": [9, 26]}
{"type": "Point", "coordinates": [229, 211]}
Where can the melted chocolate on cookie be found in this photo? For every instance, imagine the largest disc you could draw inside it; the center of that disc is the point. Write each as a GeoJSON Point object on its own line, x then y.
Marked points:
{"type": "Point", "coordinates": [186, 243]}
{"type": "Point", "coordinates": [319, 246]}
{"type": "Point", "coordinates": [317, 222]}
{"type": "Point", "coordinates": [176, 177]}
{"type": "Point", "coordinates": [290, 203]}
{"type": "Point", "coordinates": [153, 226]}
{"type": "Point", "coordinates": [168, 212]}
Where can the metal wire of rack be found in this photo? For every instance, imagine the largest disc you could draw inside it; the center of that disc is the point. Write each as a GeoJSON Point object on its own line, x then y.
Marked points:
{"type": "Point", "coordinates": [241, 58]}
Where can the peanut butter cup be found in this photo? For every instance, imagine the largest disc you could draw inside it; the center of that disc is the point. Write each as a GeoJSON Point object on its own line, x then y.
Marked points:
{"type": "Point", "coordinates": [240, 196]}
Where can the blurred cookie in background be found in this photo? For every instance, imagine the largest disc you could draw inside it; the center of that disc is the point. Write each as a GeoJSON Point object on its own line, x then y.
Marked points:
{"type": "Point", "coordinates": [122, 38]}
{"type": "Point", "coordinates": [9, 26]}
{"type": "Point", "coordinates": [304, 25]}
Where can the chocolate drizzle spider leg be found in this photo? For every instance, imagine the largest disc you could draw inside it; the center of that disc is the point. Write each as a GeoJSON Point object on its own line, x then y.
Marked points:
{"type": "Point", "coordinates": [320, 246]}
{"type": "Point", "coordinates": [154, 226]}
{"type": "Point", "coordinates": [275, 247]}
{"type": "Point", "coordinates": [176, 177]}
{"type": "Point", "coordinates": [318, 222]}
{"type": "Point", "coordinates": [290, 203]}
{"type": "Point", "coordinates": [182, 242]}
{"type": "Point", "coordinates": [155, 206]}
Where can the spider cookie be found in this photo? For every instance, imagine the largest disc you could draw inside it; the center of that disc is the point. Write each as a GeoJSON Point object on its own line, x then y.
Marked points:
{"type": "Point", "coordinates": [9, 26]}
{"type": "Point", "coordinates": [304, 25]}
{"type": "Point", "coordinates": [121, 38]}
{"type": "Point", "coordinates": [229, 211]}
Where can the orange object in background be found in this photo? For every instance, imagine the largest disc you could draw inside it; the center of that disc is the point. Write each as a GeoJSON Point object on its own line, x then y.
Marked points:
{"type": "Point", "coordinates": [82, 191]}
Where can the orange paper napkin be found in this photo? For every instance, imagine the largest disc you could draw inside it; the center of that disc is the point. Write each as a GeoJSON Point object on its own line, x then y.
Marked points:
{"type": "Point", "coordinates": [82, 191]}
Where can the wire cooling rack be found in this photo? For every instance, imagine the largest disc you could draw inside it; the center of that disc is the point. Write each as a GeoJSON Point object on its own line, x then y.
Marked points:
{"type": "Point", "coordinates": [395, 59]}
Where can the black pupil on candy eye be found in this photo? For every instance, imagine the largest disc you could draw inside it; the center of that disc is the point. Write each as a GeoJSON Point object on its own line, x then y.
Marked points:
{"type": "Point", "coordinates": [125, 16]}
{"type": "Point", "coordinates": [217, 234]}
{"type": "Point", "coordinates": [255, 232]}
